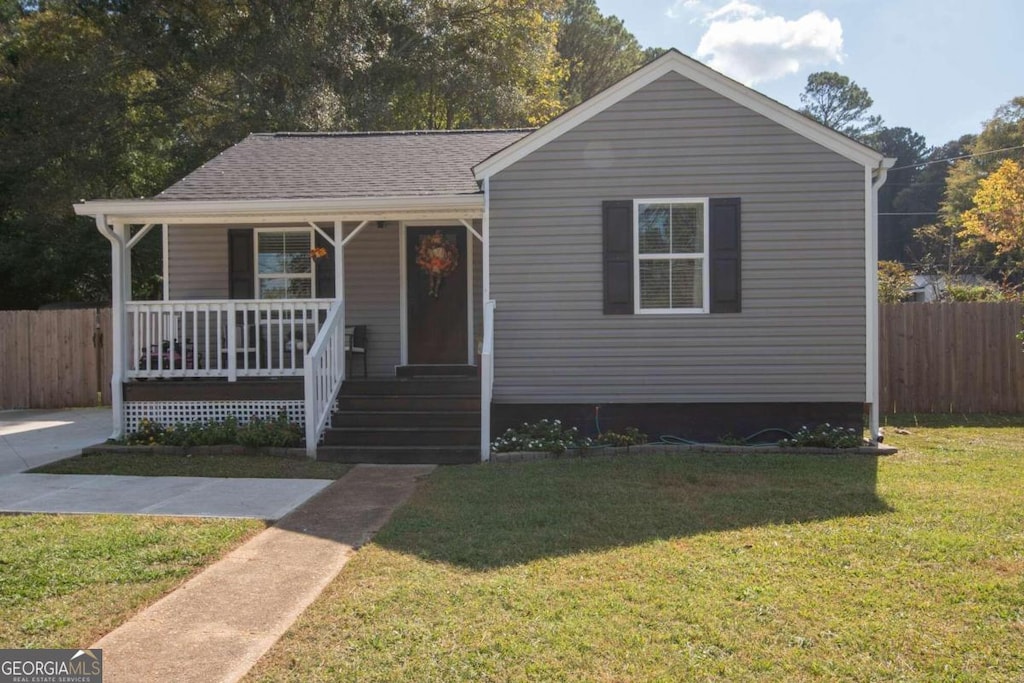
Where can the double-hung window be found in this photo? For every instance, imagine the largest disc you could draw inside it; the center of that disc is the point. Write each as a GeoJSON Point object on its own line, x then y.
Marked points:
{"type": "Point", "coordinates": [284, 267]}
{"type": "Point", "coordinates": [670, 255]}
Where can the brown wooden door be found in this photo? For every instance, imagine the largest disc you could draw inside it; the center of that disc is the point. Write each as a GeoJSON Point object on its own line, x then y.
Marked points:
{"type": "Point", "coordinates": [437, 321]}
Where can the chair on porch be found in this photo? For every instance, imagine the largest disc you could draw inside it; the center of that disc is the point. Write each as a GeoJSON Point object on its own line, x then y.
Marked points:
{"type": "Point", "coordinates": [355, 344]}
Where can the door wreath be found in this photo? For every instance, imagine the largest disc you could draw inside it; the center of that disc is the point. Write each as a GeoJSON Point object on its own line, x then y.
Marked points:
{"type": "Point", "coordinates": [438, 257]}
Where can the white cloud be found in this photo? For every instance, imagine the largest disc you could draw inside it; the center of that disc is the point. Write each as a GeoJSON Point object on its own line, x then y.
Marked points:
{"type": "Point", "coordinates": [681, 8]}
{"type": "Point", "coordinates": [744, 41]}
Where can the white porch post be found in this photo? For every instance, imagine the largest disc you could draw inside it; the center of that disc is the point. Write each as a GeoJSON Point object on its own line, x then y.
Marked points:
{"type": "Point", "coordinates": [166, 261]}
{"type": "Point", "coordinates": [487, 373]}
{"type": "Point", "coordinates": [339, 289]}
{"type": "Point", "coordinates": [116, 236]}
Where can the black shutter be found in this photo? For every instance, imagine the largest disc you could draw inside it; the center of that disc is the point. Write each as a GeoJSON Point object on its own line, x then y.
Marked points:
{"type": "Point", "coordinates": [324, 269]}
{"type": "Point", "coordinates": [617, 219]}
{"type": "Point", "coordinates": [724, 254]}
{"type": "Point", "coordinates": [242, 272]}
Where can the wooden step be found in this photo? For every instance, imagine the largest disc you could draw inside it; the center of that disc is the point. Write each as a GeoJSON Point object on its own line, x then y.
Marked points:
{"type": "Point", "coordinates": [399, 455]}
{"type": "Point", "coordinates": [433, 386]}
{"type": "Point", "coordinates": [402, 436]}
{"type": "Point", "coordinates": [415, 403]}
{"type": "Point", "coordinates": [403, 418]}
{"type": "Point", "coordinates": [436, 370]}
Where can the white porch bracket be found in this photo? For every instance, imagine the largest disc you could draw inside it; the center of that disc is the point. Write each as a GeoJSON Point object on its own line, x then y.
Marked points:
{"type": "Point", "coordinates": [140, 234]}
{"type": "Point", "coordinates": [359, 228]}
{"type": "Point", "coordinates": [469, 226]}
{"type": "Point", "coordinates": [323, 233]}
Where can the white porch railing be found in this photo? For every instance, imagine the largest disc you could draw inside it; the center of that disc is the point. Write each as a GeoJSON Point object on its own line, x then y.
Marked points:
{"type": "Point", "coordinates": [221, 338]}
{"type": "Point", "coordinates": [324, 374]}
{"type": "Point", "coordinates": [486, 379]}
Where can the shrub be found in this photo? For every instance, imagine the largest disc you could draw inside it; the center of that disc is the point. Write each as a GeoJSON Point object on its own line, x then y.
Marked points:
{"type": "Point", "coordinates": [201, 433]}
{"type": "Point", "coordinates": [148, 433]}
{"type": "Point", "coordinates": [278, 433]}
{"type": "Point", "coordinates": [824, 436]}
{"type": "Point", "coordinates": [631, 436]}
{"type": "Point", "coordinates": [958, 291]}
{"type": "Point", "coordinates": [894, 282]}
{"type": "Point", "coordinates": [545, 435]}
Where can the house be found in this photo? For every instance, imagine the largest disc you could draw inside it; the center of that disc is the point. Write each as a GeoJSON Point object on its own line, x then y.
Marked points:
{"type": "Point", "coordinates": [678, 253]}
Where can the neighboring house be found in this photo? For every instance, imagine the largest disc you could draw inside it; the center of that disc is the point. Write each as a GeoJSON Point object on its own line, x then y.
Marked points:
{"type": "Point", "coordinates": [679, 252]}
{"type": "Point", "coordinates": [931, 288]}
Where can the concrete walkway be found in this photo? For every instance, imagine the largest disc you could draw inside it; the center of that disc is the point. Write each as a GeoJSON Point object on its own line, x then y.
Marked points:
{"type": "Point", "coordinates": [31, 438]}
{"type": "Point", "coordinates": [215, 626]}
{"type": "Point", "coordinates": [269, 499]}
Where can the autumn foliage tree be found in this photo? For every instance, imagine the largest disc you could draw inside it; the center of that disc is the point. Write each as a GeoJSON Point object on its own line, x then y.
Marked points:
{"type": "Point", "coordinates": [997, 216]}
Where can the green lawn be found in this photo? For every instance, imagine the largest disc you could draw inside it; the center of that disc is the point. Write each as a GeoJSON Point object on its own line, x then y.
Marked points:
{"type": "Point", "coordinates": [694, 567]}
{"type": "Point", "coordinates": [67, 580]}
{"type": "Point", "coordinates": [150, 465]}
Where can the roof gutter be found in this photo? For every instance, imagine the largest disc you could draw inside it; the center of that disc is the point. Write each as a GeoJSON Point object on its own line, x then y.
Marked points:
{"type": "Point", "coordinates": [167, 210]}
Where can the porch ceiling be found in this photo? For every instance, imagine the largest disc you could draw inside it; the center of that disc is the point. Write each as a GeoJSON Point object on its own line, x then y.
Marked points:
{"type": "Point", "coordinates": [466, 206]}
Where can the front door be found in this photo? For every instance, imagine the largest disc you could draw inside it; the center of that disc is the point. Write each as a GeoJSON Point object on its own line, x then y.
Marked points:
{"type": "Point", "coordinates": [437, 295]}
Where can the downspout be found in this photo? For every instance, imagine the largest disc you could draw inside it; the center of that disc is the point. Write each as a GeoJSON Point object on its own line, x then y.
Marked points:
{"type": "Point", "coordinates": [117, 249]}
{"type": "Point", "coordinates": [486, 358]}
{"type": "Point", "coordinates": [879, 175]}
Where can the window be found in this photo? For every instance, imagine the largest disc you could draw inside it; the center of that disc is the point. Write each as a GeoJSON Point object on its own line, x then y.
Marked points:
{"type": "Point", "coordinates": [284, 268]}
{"type": "Point", "coordinates": [670, 254]}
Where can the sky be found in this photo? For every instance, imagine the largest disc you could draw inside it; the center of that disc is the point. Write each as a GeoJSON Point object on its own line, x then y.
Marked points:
{"type": "Point", "coordinates": [940, 67]}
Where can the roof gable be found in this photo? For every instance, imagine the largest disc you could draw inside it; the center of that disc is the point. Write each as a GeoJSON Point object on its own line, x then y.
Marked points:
{"type": "Point", "coordinates": [675, 61]}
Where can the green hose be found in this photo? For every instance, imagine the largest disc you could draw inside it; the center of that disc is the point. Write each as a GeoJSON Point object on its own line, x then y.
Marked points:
{"type": "Point", "coordinates": [678, 440]}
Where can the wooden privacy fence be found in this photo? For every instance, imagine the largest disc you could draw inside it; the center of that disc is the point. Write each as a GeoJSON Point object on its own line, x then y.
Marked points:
{"type": "Point", "coordinates": [960, 357]}
{"type": "Point", "coordinates": [952, 357]}
{"type": "Point", "coordinates": [55, 359]}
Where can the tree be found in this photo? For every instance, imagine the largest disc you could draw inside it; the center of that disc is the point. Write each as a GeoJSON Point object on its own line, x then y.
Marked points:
{"type": "Point", "coordinates": [839, 103]}
{"type": "Point", "coordinates": [1000, 139]}
{"type": "Point", "coordinates": [895, 231]}
{"type": "Point", "coordinates": [597, 50]}
{"type": "Point", "coordinates": [997, 216]}
{"type": "Point", "coordinates": [894, 281]}
{"type": "Point", "coordinates": [108, 98]}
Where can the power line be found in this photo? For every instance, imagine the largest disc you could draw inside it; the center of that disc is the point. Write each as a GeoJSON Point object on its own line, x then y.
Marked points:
{"type": "Point", "coordinates": [911, 213]}
{"type": "Point", "coordinates": [962, 156]}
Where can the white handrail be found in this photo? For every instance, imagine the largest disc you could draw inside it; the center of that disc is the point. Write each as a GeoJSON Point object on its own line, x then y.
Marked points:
{"type": "Point", "coordinates": [221, 337]}
{"type": "Point", "coordinates": [324, 374]}
{"type": "Point", "coordinates": [487, 379]}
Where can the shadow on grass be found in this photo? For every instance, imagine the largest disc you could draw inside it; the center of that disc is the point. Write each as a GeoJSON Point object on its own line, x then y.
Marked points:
{"type": "Point", "coordinates": [483, 517]}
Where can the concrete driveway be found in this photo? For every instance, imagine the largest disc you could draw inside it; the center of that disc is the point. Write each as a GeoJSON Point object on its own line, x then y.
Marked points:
{"type": "Point", "coordinates": [30, 438]}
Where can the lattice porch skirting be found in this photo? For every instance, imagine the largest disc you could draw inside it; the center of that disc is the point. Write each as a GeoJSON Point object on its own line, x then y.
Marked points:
{"type": "Point", "coordinates": [168, 413]}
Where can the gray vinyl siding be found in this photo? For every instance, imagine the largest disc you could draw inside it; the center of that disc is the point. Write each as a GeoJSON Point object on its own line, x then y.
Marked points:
{"type": "Point", "coordinates": [197, 261]}
{"type": "Point", "coordinates": [801, 334]}
{"type": "Point", "coordinates": [372, 296]}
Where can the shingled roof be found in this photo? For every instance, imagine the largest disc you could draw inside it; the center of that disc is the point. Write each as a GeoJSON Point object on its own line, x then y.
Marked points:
{"type": "Point", "coordinates": [342, 165]}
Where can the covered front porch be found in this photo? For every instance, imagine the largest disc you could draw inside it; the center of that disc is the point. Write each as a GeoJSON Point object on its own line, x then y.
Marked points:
{"type": "Point", "coordinates": [270, 306]}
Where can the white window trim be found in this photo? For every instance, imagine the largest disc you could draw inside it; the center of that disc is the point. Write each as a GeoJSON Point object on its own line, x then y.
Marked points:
{"type": "Point", "coordinates": [704, 256]}
{"type": "Point", "coordinates": [256, 260]}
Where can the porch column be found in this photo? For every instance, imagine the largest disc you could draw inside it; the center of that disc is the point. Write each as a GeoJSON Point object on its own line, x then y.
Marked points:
{"type": "Point", "coordinates": [116, 235]}
{"type": "Point", "coordinates": [339, 290]}
{"type": "Point", "coordinates": [165, 252]}
{"type": "Point", "coordinates": [487, 352]}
